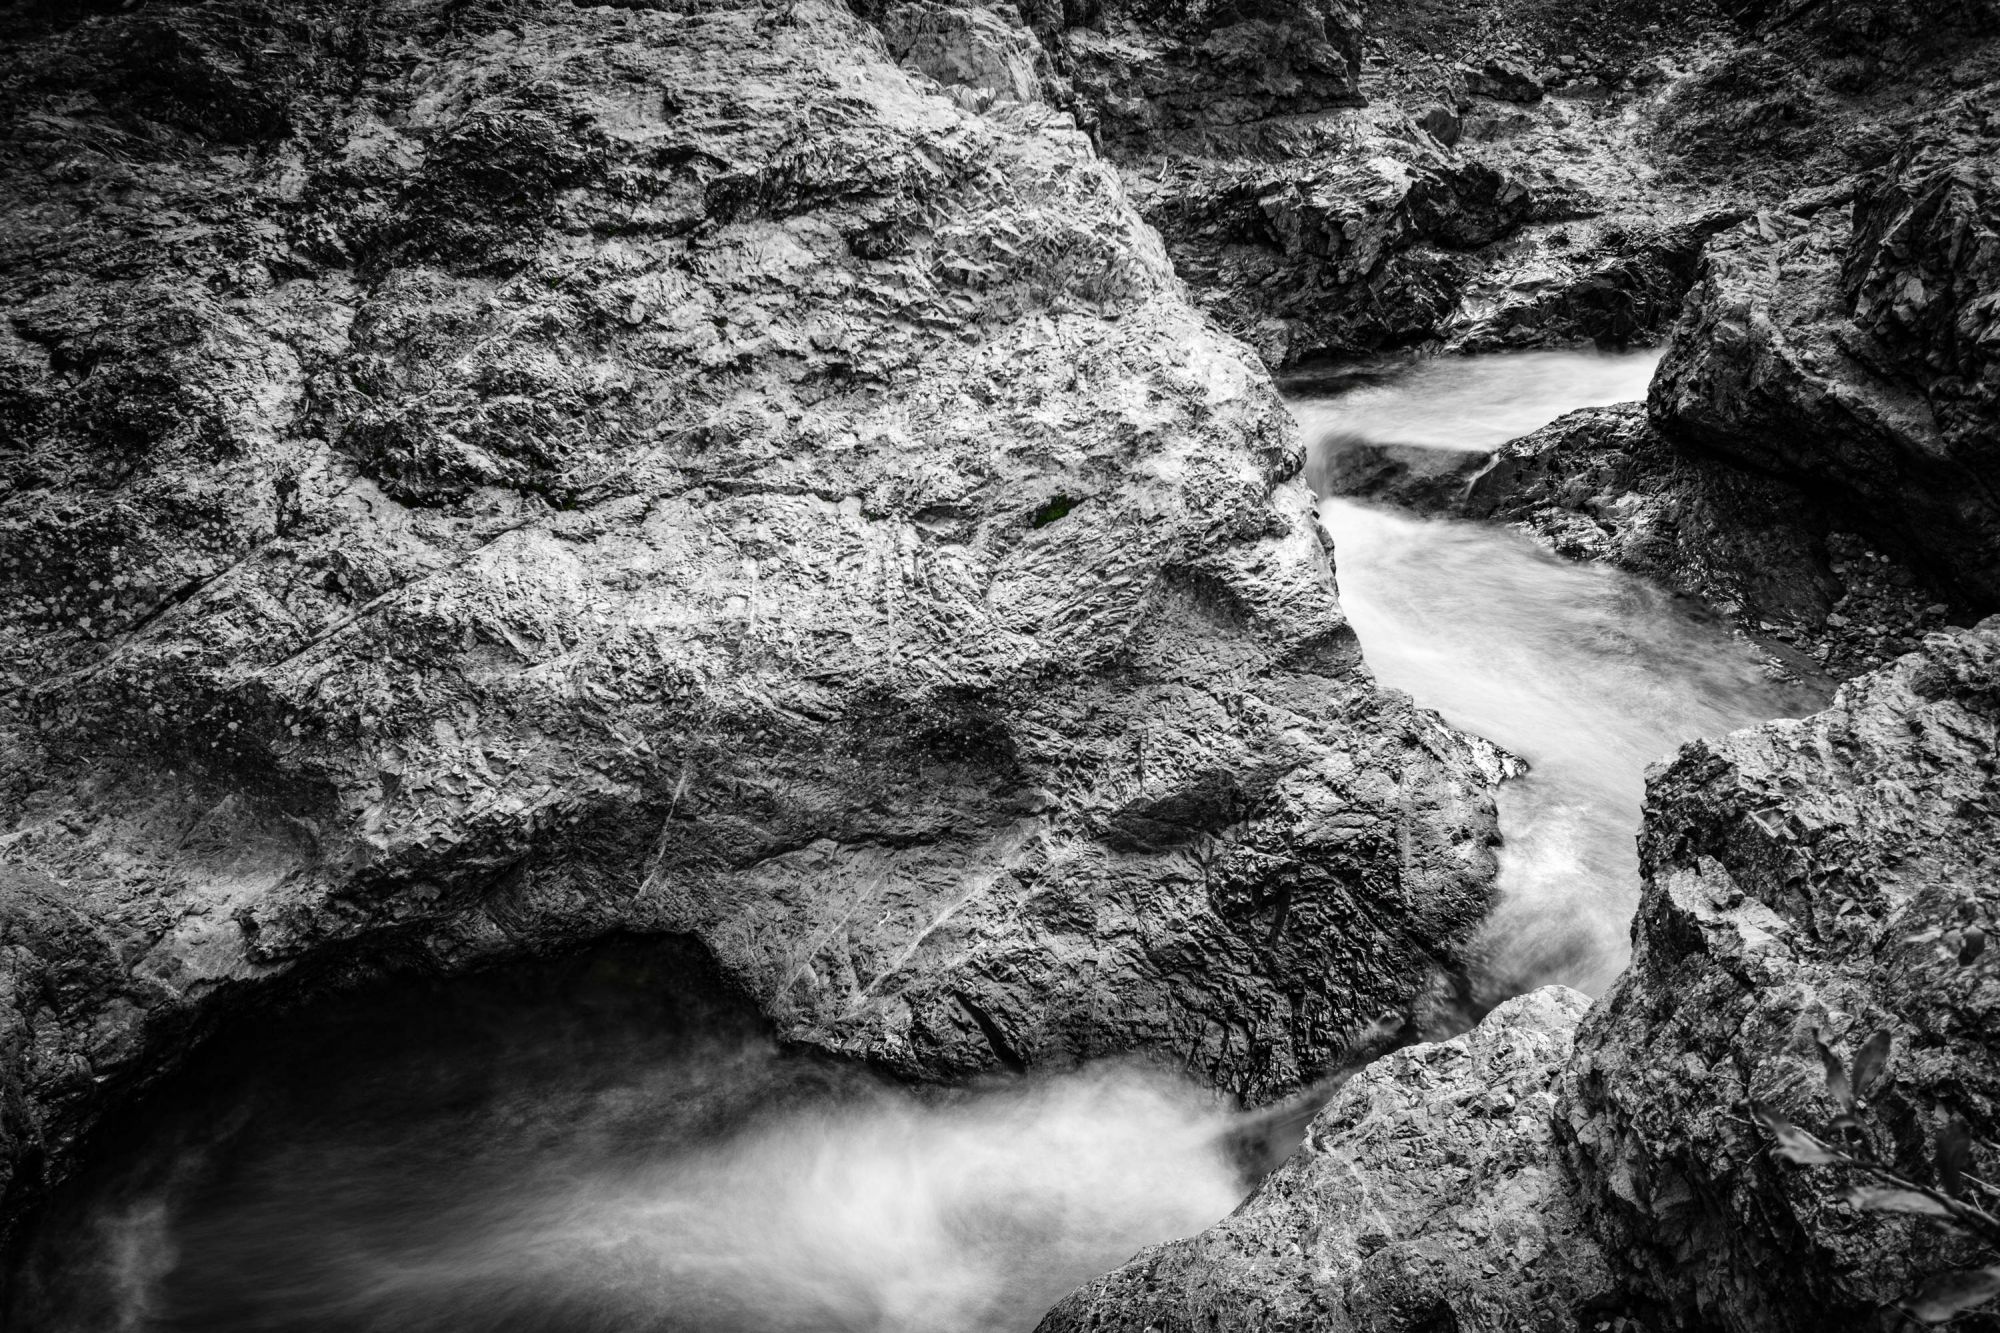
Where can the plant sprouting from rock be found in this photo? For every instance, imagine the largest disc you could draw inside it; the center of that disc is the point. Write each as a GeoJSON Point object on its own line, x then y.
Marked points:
{"type": "Point", "coordinates": [1957, 1201]}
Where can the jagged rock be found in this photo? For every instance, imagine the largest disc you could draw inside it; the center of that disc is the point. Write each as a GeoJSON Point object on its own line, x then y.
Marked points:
{"type": "Point", "coordinates": [1157, 73]}
{"type": "Point", "coordinates": [1442, 124]}
{"type": "Point", "coordinates": [488, 477]}
{"type": "Point", "coordinates": [1427, 1195]}
{"type": "Point", "coordinates": [1792, 874]}
{"type": "Point", "coordinates": [1352, 239]}
{"type": "Point", "coordinates": [1604, 484]}
{"type": "Point", "coordinates": [1626, 289]}
{"type": "Point", "coordinates": [967, 47]}
{"type": "Point", "coordinates": [1858, 352]}
{"type": "Point", "coordinates": [1504, 78]}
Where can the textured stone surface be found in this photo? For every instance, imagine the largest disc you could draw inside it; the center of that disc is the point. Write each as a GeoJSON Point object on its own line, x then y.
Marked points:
{"type": "Point", "coordinates": [1155, 72]}
{"type": "Point", "coordinates": [1427, 1195]}
{"type": "Point", "coordinates": [1787, 869]}
{"type": "Point", "coordinates": [1857, 349]}
{"type": "Point", "coordinates": [483, 477]}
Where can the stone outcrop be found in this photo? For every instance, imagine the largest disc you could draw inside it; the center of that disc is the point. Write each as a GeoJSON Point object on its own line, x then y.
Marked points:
{"type": "Point", "coordinates": [1856, 350]}
{"type": "Point", "coordinates": [1797, 877]}
{"type": "Point", "coordinates": [1427, 1195]}
{"type": "Point", "coordinates": [1345, 236]}
{"type": "Point", "coordinates": [1150, 73]}
{"type": "Point", "coordinates": [485, 477]}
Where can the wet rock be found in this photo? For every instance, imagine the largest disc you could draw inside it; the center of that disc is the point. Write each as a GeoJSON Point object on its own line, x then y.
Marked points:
{"type": "Point", "coordinates": [1427, 1195]}
{"type": "Point", "coordinates": [1856, 352]}
{"type": "Point", "coordinates": [590, 469]}
{"type": "Point", "coordinates": [1797, 878]}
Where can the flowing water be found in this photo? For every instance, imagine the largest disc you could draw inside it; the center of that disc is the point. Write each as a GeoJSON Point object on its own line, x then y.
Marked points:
{"type": "Point", "coordinates": [600, 1153]}
{"type": "Point", "coordinates": [598, 1158]}
{"type": "Point", "coordinates": [1587, 673]}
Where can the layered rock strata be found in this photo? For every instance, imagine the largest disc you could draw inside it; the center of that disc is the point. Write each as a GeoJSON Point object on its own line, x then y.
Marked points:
{"type": "Point", "coordinates": [486, 477]}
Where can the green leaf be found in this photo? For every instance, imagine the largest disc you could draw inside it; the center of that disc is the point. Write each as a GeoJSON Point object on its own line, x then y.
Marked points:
{"type": "Point", "coordinates": [1877, 1200]}
{"type": "Point", "coordinates": [1836, 1076]}
{"type": "Point", "coordinates": [1872, 1060]}
{"type": "Point", "coordinates": [1946, 1295]}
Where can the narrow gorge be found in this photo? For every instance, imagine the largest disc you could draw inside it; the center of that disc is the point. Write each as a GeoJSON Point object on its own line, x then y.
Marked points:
{"type": "Point", "coordinates": [790, 666]}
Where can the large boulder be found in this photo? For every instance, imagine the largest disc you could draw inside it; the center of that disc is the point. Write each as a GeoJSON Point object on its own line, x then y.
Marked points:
{"type": "Point", "coordinates": [1805, 880]}
{"type": "Point", "coordinates": [482, 478]}
{"type": "Point", "coordinates": [1858, 350]}
{"type": "Point", "coordinates": [1427, 1195]}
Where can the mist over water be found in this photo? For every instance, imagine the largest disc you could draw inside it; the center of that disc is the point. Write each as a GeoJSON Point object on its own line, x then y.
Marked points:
{"type": "Point", "coordinates": [563, 1169]}
{"type": "Point", "coordinates": [1587, 673]}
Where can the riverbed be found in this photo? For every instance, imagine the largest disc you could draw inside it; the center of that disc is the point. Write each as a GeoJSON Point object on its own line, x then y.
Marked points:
{"type": "Point", "coordinates": [591, 1154]}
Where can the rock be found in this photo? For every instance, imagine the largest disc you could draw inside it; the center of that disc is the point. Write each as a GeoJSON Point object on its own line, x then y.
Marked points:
{"type": "Point", "coordinates": [1426, 1195]}
{"type": "Point", "coordinates": [1604, 484]}
{"type": "Point", "coordinates": [1355, 240]}
{"type": "Point", "coordinates": [1793, 872]}
{"type": "Point", "coordinates": [535, 472]}
{"type": "Point", "coordinates": [1442, 124]}
{"type": "Point", "coordinates": [1858, 354]}
{"type": "Point", "coordinates": [1503, 78]}
{"type": "Point", "coordinates": [1625, 290]}
{"type": "Point", "coordinates": [970, 48]}
{"type": "Point", "coordinates": [1155, 76]}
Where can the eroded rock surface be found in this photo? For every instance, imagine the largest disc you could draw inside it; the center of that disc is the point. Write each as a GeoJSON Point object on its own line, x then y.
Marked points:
{"type": "Point", "coordinates": [1427, 1195]}
{"type": "Point", "coordinates": [1792, 872]}
{"type": "Point", "coordinates": [490, 476]}
{"type": "Point", "coordinates": [1855, 349]}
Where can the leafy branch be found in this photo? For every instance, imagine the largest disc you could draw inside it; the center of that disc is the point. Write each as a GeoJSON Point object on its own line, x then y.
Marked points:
{"type": "Point", "coordinates": [1942, 1296]}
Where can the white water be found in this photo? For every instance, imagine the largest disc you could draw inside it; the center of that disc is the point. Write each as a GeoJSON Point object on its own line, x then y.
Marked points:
{"type": "Point", "coordinates": [601, 1177]}
{"type": "Point", "coordinates": [1587, 673]}
{"type": "Point", "coordinates": [1477, 402]}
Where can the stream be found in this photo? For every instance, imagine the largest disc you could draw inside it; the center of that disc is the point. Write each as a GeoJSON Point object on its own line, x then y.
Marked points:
{"type": "Point", "coordinates": [1587, 673]}
{"type": "Point", "coordinates": [594, 1156]}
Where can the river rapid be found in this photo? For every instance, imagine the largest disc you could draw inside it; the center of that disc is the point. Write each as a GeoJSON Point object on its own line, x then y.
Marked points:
{"type": "Point", "coordinates": [1587, 673]}
{"type": "Point", "coordinates": [591, 1155]}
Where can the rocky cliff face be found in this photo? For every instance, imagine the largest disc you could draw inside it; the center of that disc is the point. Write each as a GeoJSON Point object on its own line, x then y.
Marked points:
{"type": "Point", "coordinates": [1854, 349]}
{"type": "Point", "coordinates": [1792, 873]}
{"type": "Point", "coordinates": [488, 476]}
{"type": "Point", "coordinates": [1427, 1178]}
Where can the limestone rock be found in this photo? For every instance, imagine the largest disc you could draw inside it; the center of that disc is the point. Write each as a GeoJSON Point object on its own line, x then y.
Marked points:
{"type": "Point", "coordinates": [1857, 352]}
{"type": "Point", "coordinates": [484, 478]}
{"type": "Point", "coordinates": [1427, 1195]}
{"type": "Point", "coordinates": [1504, 78]}
{"type": "Point", "coordinates": [1792, 873]}
{"type": "Point", "coordinates": [1156, 74]}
